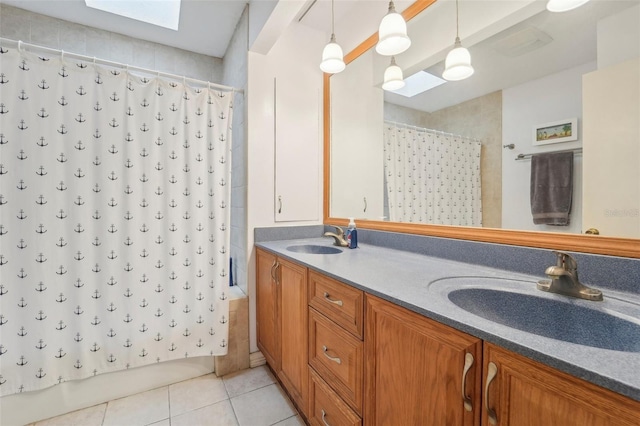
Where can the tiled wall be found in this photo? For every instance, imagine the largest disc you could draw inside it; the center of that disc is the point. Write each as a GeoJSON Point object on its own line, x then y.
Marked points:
{"type": "Point", "coordinates": [29, 27]}
{"type": "Point", "coordinates": [234, 74]}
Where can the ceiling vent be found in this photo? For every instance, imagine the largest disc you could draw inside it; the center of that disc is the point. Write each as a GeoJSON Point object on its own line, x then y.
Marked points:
{"type": "Point", "coordinates": [521, 42]}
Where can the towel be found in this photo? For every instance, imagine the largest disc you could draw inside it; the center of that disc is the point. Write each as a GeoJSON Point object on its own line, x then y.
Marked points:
{"type": "Point", "coordinates": [551, 188]}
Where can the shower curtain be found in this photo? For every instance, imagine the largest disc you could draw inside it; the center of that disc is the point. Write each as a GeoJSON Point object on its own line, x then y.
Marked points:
{"type": "Point", "coordinates": [432, 177]}
{"type": "Point", "coordinates": [114, 220]}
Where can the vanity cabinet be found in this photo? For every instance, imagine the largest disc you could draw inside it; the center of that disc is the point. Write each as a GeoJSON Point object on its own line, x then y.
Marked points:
{"type": "Point", "coordinates": [282, 328]}
{"type": "Point", "coordinates": [350, 358]}
{"type": "Point", "coordinates": [336, 352]}
{"type": "Point", "coordinates": [418, 371]}
{"type": "Point", "coordinates": [523, 392]}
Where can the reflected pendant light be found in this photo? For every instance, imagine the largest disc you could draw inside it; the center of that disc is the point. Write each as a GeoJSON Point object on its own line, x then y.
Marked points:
{"type": "Point", "coordinates": [564, 5]}
{"type": "Point", "coordinates": [392, 33]}
{"type": "Point", "coordinates": [458, 62]}
{"type": "Point", "coordinates": [332, 56]}
{"type": "Point", "coordinates": [393, 79]}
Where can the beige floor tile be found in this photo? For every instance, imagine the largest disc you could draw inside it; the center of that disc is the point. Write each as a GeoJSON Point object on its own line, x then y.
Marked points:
{"type": "Point", "coordinates": [139, 409]}
{"type": "Point", "coordinates": [220, 414]}
{"type": "Point", "coordinates": [248, 380]}
{"type": "Point", "coordinates": [91, 416]}
{"type": "Point", "coordinates": [196, 393]}
{"type": "Point", "coordinates": [291, 421]}
{"type": "Point", "coordinates": [262, 407]}
{"type": "Point", "coordinates": [165, 422]}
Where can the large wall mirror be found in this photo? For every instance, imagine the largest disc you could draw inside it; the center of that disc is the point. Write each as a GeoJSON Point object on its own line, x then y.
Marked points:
{"type": "Point", "coordinates": [455, 160]}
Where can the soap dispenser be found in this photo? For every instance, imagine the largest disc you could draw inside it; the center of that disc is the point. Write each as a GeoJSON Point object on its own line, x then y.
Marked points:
{"type": "Point", "coordinates": [352, 234]}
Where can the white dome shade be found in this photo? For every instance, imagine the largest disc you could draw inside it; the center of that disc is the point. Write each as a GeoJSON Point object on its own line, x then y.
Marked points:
{"type": "Point", "coordinates": [392, 35]}
{"type": "Point", "coordinates": [564, 5]}
{"type": "Point", "coordinates": [458, 64]}
{"type": "Point", "coordinates": [332, 58]}
{"type": "Point", "coordinates": [393, 79]}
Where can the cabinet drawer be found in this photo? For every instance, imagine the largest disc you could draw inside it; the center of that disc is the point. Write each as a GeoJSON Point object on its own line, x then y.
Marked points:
{"type": "Point", "coordinates": [325, 407]}
{"type": "Point", "coordinates": [337, 357]}
{"type": "Point", "coordinates": [339, 302]}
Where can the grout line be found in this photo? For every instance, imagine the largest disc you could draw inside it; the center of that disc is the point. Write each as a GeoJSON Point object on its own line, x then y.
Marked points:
{"type": "Point", "coordinates": [104, 414]}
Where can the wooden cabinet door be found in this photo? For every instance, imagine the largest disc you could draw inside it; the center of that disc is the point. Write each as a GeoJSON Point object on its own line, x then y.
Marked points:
{"type": "Point", "coordinates": [526, 393]}
{"type": "Point", "coordinates": [414, 369]}
{"type": "Point", "coordinates": [267, 308]}
{"type": "Point", "coordinates": [294, 331]}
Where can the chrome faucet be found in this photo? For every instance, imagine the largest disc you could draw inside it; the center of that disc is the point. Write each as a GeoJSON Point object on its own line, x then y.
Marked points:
{"type": "Point", "coordinates": [338, 237]}
{"type": "Point", "coordinates": [564, 279]}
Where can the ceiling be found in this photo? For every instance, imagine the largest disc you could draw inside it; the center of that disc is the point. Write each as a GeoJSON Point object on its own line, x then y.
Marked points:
{"type": "Point", "coordinates": [206, 26]}
{"type": "Point", "coordinates": [573, 43]}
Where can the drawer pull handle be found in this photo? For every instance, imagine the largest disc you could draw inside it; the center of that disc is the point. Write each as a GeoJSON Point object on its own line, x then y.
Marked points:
{"type": "Point", "coordinates": [332, 358]}
{"type": "Point", "coordinates": [323, 420]}
{"type": "Point", "coordinates": [491, 374]}
{"type": "Point", "coordinates": [468, 362]}
{"type": "Point", "coordinates": [330, 300]}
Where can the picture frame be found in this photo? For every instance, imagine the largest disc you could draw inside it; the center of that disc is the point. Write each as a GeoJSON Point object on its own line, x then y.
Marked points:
{"type": "Point", "coordinates": [556, 132]}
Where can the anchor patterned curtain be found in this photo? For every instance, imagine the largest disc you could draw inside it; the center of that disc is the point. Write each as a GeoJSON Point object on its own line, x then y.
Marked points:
{"type": "Point", "coordinates": [432, 177]}
{"type": "Point", "coordinates": [114, 220]}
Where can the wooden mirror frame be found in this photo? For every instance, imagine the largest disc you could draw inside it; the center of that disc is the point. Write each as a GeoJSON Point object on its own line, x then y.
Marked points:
{"type": "Point", "coordinates": [626, 247]}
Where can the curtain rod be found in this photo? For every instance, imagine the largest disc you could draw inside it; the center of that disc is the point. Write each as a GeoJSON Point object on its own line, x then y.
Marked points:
{"type": "Point", "coordinates": [526, 156]}
{"type": "Point", "coordinates": [21, 44]}
{"type": "Point", "coordinates": [424, 129]}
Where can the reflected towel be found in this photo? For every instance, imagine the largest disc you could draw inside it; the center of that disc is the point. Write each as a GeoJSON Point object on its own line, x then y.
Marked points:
{"type": "Point", "coordinates": [551, 188]}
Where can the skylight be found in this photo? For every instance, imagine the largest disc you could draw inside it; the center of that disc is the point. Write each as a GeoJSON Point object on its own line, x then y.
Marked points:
{"type": "Point", "coordinates": [418, 83]}
{"type": "Point", "coordinates": [164, 13]}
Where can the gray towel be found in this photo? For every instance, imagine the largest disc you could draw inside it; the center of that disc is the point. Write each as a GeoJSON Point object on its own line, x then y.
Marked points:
{"type": "Point", "coordinates": [551, 188]}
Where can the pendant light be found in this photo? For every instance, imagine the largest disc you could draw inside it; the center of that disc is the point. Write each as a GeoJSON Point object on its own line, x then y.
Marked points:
{"type": "Point", "coordinates": [392, 33]}
{"type": "Point", "coordinates": [393, 79]}
{"type": "Point", "coordinates": [564, 5]}
{"type": "Point", "coordinates": [458, 62]}
{"type": "Point", "coordinates": [332, 56]}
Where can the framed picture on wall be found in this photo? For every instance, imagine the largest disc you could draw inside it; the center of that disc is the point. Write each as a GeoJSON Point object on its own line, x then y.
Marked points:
{"type": "Point", "coordinates": [555, 132]}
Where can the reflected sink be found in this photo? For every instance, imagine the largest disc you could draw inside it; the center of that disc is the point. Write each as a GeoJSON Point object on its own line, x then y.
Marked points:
{"type": "Point", "coordinates": [566, 321]}
{"type": "Point", "coordinates": [314, 249]}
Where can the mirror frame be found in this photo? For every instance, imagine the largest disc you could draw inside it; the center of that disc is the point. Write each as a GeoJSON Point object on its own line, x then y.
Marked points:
{"type": "Point", "coordinates": [625, 247]}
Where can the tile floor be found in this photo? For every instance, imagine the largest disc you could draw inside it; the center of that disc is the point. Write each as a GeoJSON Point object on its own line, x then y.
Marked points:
{"type": "Point", "coordinates": [247, 398]}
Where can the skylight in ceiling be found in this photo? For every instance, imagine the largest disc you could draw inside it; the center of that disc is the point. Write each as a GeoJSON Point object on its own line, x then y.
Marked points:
{"type": "Point", "coordinates": [418, 83]}
{"type": "Point", "coordinates": [164, 13]}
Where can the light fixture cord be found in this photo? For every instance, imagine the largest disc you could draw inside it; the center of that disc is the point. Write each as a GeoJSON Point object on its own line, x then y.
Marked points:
{"type": "Point", "coordinates": [457, 25]}
{"type": "Point", "coordinates": [333, 21]}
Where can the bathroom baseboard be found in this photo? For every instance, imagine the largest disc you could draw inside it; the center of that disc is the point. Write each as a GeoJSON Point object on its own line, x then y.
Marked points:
{"type": "Point", "coordinates": [256, 359]}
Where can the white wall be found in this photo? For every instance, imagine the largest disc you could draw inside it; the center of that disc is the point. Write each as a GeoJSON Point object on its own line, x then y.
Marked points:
{"type": "Point", "coordinates": [552, 98]}
{"type": "Point", "coordinates": [297, 51]}
{"type": "Point", "coordinates": [619, 37]}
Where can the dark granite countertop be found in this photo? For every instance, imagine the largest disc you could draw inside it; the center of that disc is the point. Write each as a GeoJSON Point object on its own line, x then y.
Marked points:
{"type": "Point", "coordinates": [412, 281]}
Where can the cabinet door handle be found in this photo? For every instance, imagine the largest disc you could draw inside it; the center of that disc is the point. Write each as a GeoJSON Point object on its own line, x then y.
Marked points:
{"type": "Point", "coordinates": [491, 374]}
{"type": "Point", "coordinates": [332, 358]}
{"type": "Point", "coordinates": [365, 204]}
{"type": "Point", "coordinates": [330, 300]}
{"type": "Point", "coordinates": [323, 420]}
{"type": "Point", "coordinates": [279, 204]}
{"type": "Point", "coordinates": [468, 362]}
{"type": "Point", "coordinates": [274, 271]}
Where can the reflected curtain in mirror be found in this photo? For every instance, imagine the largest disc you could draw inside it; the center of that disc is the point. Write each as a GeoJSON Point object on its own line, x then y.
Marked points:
{"type": "Point", "coordinates": [432, 177]}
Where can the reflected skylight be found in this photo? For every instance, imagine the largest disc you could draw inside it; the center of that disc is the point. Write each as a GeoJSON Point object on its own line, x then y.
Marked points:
{"type": "Point", "coordinates": [418, 83]}
{"type": "Point", "coordinates": [164, 13]}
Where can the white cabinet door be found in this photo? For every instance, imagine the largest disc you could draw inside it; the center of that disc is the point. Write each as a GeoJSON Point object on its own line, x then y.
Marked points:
{"type": "Point", "coordinates": [611, 112]}
{"type": "Point", "coordinates": [298, 148]}
{"type": "Point", "coordinates": [357, 166]}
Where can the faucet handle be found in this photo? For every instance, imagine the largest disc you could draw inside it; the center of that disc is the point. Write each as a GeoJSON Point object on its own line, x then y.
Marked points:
{"type": "Point", "coordinates": [566, 261]}
{"type": "Point", "coordinates": [339, 230]}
